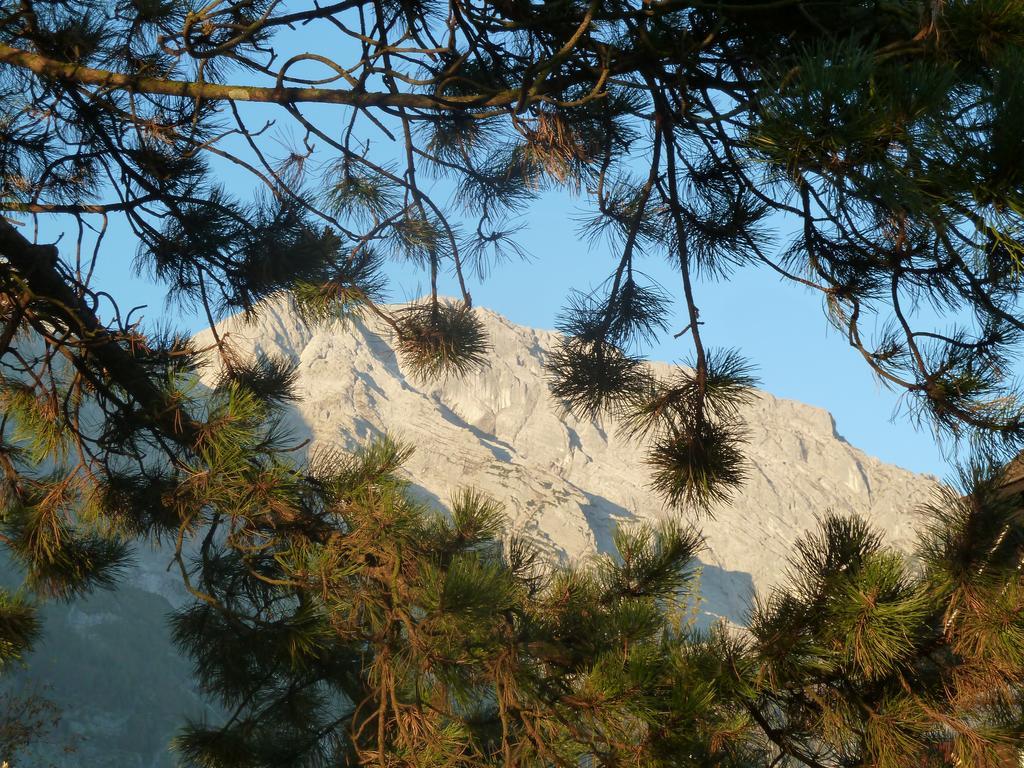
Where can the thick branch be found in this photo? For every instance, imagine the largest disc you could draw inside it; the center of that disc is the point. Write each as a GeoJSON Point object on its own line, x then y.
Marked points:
{"type": "Point", "coordinates": [82, 75]}
{"type": "Point", "coordinates": [36, 265]}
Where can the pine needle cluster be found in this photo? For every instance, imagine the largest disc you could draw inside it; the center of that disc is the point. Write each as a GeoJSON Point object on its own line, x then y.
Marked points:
{"type": "Point", "coordinates": [339, 621]}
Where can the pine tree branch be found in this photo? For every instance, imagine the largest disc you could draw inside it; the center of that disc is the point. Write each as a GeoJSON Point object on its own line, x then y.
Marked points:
{"type": "Point", "coordinates": [36, 265]}
{"type": "Point", "coordinates": [78, 74]}
{"type": "Point", "coordinates": [77, 208]}
{"type": "Point", "coordinates": [779, 737]}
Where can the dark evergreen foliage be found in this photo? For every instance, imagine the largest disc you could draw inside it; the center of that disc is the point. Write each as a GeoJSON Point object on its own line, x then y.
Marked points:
{"type": "Point", "coordinates": [338, 620]}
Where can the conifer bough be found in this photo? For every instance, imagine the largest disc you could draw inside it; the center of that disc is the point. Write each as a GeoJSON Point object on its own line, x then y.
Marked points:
{"type": "Point", "coordinates": [884, 135]}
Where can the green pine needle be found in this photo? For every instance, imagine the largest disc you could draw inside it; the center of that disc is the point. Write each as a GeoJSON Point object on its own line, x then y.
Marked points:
{"type": "Point", "coordinates": [437, 339]}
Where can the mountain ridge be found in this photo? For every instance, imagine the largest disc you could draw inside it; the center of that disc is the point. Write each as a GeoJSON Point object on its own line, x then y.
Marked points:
{"type": "Point", "coordinates": [565, 483]}
{"type": "Point", "coordinates": [501, 425]}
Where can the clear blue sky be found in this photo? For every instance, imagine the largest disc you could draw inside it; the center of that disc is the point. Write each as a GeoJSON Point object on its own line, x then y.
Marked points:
{"type": "Point", "coordinates": [780, 327]}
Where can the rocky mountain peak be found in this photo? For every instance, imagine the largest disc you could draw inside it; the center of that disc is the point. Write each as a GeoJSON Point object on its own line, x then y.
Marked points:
{"type": "Point", "coordinates": [565, 482]}
{"type": "Point", "coordinates": [108, 662]}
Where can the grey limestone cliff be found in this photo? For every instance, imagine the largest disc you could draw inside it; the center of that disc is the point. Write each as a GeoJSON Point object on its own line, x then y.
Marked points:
{"type": "Point", "coordinates": [564, 482]}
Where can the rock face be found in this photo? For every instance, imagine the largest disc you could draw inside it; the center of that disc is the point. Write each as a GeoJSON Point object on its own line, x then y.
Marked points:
{"type": "Point", "coordinates": [565, 483]}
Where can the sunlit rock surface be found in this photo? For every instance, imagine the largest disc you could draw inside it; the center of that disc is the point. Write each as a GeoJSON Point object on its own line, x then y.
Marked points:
{"type": "Point", "coordinates": [565, 483]}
